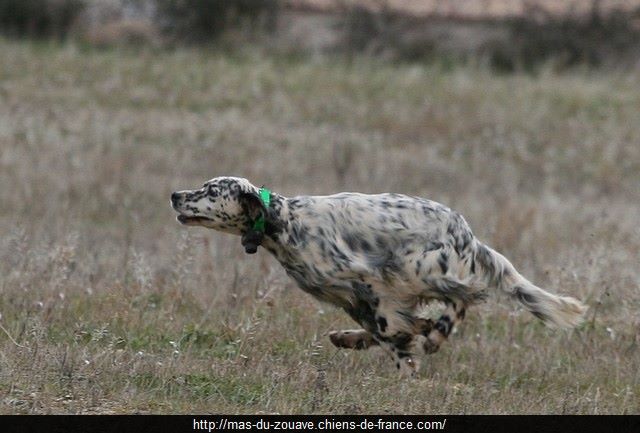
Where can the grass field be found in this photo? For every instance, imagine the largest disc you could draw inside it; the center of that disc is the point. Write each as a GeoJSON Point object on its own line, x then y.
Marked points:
{"type": "Point", "coordinates": [109, 306]}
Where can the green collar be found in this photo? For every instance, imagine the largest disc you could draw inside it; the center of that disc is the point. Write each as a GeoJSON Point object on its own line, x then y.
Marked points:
{"type": "Point", "coordinates": [265, 196]}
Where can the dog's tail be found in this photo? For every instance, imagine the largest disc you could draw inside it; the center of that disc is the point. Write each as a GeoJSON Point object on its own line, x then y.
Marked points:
{"type": "Point", "coordinates": [560, 311]}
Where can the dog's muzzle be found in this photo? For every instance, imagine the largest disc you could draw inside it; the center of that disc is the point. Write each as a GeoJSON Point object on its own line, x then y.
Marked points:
{"type": "Point", "coordinates": [175, 200]}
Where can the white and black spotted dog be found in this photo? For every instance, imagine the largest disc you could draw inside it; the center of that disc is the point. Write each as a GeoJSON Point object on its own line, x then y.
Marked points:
{"type": "Point", "coordinates": [379, 257]}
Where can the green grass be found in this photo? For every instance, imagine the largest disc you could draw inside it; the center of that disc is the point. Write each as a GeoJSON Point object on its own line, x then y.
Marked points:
{"type": "Point", "coordinates": [109, 306]}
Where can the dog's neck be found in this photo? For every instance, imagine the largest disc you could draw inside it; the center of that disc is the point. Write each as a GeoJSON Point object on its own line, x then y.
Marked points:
{"type": "Point", "coordinates": [277, 226]}
{"type": "Point", "coordinates": [275, 216]}
{"type": "Point", "coordinates": [271, 228]}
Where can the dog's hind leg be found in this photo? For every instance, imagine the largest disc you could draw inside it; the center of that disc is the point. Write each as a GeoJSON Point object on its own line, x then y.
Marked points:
{"type": "Point", "coordinates": [434, 334]}
{"type": "Point", "coordinates": [386, 323]}
{"type": "Point", "coordinates": [400, 346]}
{"type": "Point", "coordinates": [357, 339]}
{"type": "Point", "coordinates": [396, 334]}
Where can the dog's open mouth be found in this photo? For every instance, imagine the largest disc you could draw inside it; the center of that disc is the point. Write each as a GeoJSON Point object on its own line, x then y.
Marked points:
{"type": "Point", "coordinates": [192, 220]}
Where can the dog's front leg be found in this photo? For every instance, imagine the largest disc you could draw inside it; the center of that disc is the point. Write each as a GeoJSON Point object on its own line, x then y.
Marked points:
{"type": "Point", "coordinates": [357, 339]}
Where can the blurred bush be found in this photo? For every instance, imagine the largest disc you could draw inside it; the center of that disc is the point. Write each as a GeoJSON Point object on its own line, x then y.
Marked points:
{"type": "Point", "coordinates": [539, 37]}
{"type": "Point", "coordinates": [594, 40]}
{"type": "Point", "coordinates": [108, 23]}
{"type": "Point", "coordinates": [365, 30]}
{"type": "Point", "coordinates": [125, 32]}
{"type": "Point", "coordinates": [385, 33]}
{"type": "Point", "coordinates": [202, 20]}
{"type": "Point", "coordinates": [39, 18]}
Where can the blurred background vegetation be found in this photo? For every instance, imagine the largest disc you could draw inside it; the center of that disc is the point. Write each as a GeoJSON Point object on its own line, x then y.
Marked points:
{"type": "Point", "coordinates": [506, 35]}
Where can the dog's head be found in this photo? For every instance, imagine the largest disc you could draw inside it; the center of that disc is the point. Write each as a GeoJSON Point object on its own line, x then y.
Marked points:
{"type": "Point", "coordinates": [228, 204]}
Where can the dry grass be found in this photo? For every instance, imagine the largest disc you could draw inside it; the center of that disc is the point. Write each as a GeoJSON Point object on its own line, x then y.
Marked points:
{"type": "Point", "coordinates": [114, 308]}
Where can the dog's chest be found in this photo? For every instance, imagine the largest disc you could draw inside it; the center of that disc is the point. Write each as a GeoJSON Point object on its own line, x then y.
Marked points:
{"type": "Point", "coordinates": [321, 279]}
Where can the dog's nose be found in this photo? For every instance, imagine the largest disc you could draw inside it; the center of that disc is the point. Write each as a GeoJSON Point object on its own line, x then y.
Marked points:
{"type": "Point", "coordinates": [175, 197]}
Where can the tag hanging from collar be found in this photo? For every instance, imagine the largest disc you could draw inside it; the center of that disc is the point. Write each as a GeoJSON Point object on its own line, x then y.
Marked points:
{"type": "Point", "coordinates": [265, 197]}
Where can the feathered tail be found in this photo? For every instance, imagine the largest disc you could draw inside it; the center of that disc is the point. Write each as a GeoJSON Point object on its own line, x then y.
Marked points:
{"type": "Point", "coordinates": [561, 311]}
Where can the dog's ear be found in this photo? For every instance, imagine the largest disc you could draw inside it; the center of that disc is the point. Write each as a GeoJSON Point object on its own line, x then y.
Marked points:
{"type": "Point", "coordinates": [252, 205]}
{"type": "Point", "coordinates": [253, 208]}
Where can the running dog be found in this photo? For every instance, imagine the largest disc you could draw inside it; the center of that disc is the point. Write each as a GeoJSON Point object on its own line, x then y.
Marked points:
{"type": "Point", "coordinates": [379, 257]}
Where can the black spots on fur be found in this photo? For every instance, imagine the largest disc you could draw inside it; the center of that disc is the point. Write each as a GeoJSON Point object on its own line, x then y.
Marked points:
{"type": "Point", "coordinates": [340, 259]}
{"type": "Point", "coordinates": [447, 291]}
{"type": "Point", "coordinates": [363, 308]}
{"type": "Point", "coordinates": [400, 222]}
{"type": "Point", "coordinates": [294, 204]}
{"type": "Point", "coordinates": [443, 261]}
{"type": "Point", "coordinates": [462, 313]}
{"type": "Point", "coordinates": [489, 262]}
{"type": "Point", "coordinates": [401, 341]}
{"type": "Point", "coordinates": [298, 234]}
{"type": "Point", "coordinates": [432, 246]}
{"type": "Point", "coordinates": [351, 241]}
{"type": "Point", "coordinates": [382, 324]}
{"type": "Point", "coordinates": [386, 262]}
{"type": "Point", "coordinates": [362, 313]}
{"type": "Point", "coordinates": [407, 316]}
{"type": "Point", "coordinates": [524, 297]}
{"type": "Point", "coordinates": [276, 204]}
{"type": "Point", "coordinates": [473, 265]}
{"type": "Point", "coordinates": [506, 273]}
{"type": "Point", "coordinates": [418, 266]}
{"type": "Point", "coordinates": [193, 209]}
{"type": "Point", "coordinates": [364, 291]}
{"type": "Point", "coordinates": [273, 227]}
{"type": "Point", "coordinates": [426, 209]}
{"type": "Point", "coordinates": [452, 227]}
{"type": "Point", "coordinates": [460, 234]}
{"type": "Point", "coordinates": [230, 184]}
{"type": "Point", "coordinates": [477, 297]}
{"type": "Point", "coordinates": [362, 288]}
{"type": "Point", "coordinates": [398, 365]}
{"type": "Point", "coordinates": [423, 326]}
{"type": "Point", "coordinates": [484, 256]}
{"type": "Point", "coordinates": [444, 325]}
